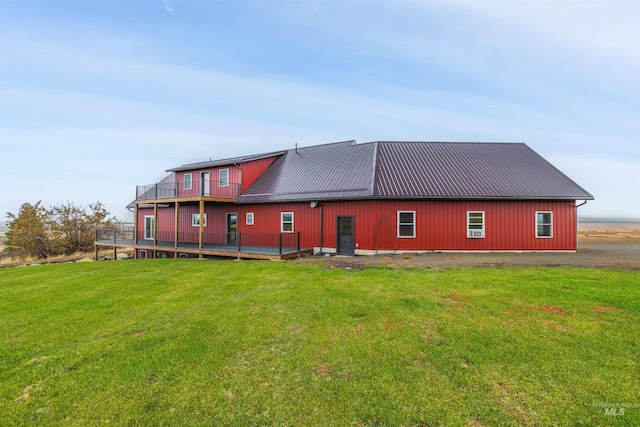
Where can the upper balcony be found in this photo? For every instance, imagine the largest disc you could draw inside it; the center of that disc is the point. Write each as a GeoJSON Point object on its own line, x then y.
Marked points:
{"type": "Point", "coordinates": [190, 189]}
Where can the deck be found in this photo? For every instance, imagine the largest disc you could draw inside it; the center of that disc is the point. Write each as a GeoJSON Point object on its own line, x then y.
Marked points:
{"type": "Point", "coordinates": [234, 250]}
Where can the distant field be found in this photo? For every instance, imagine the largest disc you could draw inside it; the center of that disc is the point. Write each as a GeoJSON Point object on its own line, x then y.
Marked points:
{"type": "Point", "coordinates": [609, 228]}
{"type": "Point", "coordinates": [189, 342]}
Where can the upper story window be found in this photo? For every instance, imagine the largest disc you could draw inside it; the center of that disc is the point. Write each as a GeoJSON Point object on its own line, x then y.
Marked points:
{"type": "Point", "coordinates": [544, 224]}
{"type": "Point", "coordinates": [249, 218]}
{"type": "Point", "coordinates": [406, 224]}
{"type": "Point", "coordinates": [187, 183]}
{"type": "Point", "coordinates": [286, 222]}
{"type": "Point", "coordinates": [223, 177]}
{"type": "Point", "coordinates": [475, 225]}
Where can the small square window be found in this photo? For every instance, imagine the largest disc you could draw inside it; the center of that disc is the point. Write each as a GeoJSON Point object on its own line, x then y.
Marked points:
{"type": "Point", "coordinates": [223, 177]}
{"type": "Point", "coordinates": [544, 224]}
{"type": "Point", "coordinates": [195, 220]}
{"type": "Point", "coordinates": [286, 222]}
{"type": "Point", "coordinates": [249, 218]}
{"type": "Point", "coordinates": [187, 183]}
{"type": "Point", "coordinates": [143, 254]}
{"type": "Point", "coordinates": [406, 224]}
{"type": "Point", "coordinates": [475, 225]}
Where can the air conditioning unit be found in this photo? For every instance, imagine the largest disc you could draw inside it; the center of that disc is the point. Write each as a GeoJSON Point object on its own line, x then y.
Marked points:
{"type": "Point", "coordinates": [476, 234]}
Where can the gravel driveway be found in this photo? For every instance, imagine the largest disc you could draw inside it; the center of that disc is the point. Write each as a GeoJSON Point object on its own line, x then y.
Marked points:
{"type": "Point", "coordinates": [597, 252]}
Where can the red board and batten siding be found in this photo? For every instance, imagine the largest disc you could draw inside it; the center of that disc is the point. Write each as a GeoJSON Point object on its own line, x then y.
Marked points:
{"type": "Point", "coordinates": [253, 169]}
{"type": "Point", "coordinates": [246, 173]}
{"type": "Point", "coordinates": [234, 177]}
{"type": "Point", "coordinates": [440, 225]}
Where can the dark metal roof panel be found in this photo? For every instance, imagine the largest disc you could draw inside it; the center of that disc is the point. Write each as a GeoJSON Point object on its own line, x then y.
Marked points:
{"type": "Point", "coordinates": [331, 171]}
{"type": "Point", "coordinates": [224, 162]}
{"type": "Point", "coordinates": [469, 170]}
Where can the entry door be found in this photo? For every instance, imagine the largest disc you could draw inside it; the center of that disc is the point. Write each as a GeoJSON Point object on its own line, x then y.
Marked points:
{"type": "Point", "coordinates": [345, 235]}
{"type": "Point", "coordinates": [232, 228]}
{"type": "Point", "coordinates": [149, 227]}
{"type": "Point", "coordinates": [205, 184]}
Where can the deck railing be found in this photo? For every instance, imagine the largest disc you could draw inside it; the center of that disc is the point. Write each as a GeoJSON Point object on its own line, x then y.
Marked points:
{"type": "Point", "coordinates": [229, 242]}
{"type": "Point", "coordinates": [115, 235]}
{"type": "Point", "coordinates": [195, 188]}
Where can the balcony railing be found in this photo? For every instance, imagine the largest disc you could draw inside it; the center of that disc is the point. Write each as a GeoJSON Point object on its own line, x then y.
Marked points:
{"type": "Point", "coordinates": [280, 243]}
{"type": "Point", "coordinates": [195, 188]}
{"type": "Point", "coordinates": [115, 235]}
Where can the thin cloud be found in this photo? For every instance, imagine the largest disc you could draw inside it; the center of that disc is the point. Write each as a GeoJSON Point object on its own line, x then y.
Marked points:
{"type": "Point", "coordinates": [167, 6]}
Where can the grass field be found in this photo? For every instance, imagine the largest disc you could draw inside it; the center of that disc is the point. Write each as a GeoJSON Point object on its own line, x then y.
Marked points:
{"type": "Point", "coordinates": [189, 342]}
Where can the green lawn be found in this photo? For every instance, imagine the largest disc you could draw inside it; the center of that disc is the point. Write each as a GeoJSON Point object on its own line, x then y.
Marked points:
{"type": "Point", "coordinates": [189, 342]}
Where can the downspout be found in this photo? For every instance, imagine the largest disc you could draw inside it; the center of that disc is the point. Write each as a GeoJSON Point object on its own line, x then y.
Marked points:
{"type": "Point", "coordinates": [321, 229]}
{"type": "Point", "coordinates": [584, 202]}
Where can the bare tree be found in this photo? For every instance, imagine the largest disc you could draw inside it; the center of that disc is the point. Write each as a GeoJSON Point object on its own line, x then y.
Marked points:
{"type": "Point", "coordinates": [28, 231]}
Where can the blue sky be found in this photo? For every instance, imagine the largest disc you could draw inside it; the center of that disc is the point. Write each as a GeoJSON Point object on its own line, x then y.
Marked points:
{"type": "Point", "coordinates": [98, 96]}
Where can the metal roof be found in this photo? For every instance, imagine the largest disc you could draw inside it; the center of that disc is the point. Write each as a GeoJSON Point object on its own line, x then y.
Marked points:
{"type": "Point", "coordinates": [471, 170]}
{"type": "Point", "coordinates": [224, 162]}
{"type": "Point", "coordinates": [341, 170]}
{"type": "Point", "coordinates": [418, 170]}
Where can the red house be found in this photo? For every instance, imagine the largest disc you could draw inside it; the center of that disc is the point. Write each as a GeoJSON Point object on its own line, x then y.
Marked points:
{"type": "Point", "coordinates": [349, 198]}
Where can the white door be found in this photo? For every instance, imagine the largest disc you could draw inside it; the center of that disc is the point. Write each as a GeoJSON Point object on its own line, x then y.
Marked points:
{"type": "Point", "coordinates": [148, 227]}
{"type": "Point", "coordinates": [206, 184]}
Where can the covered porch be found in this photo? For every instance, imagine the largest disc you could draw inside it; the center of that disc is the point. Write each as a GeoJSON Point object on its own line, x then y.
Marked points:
{"type": "Point", "coordinates": [189, 244]}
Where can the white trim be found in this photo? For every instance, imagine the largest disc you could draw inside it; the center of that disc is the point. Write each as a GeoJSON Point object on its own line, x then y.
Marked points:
{"type": "Point", "coordinates": [282, 230]}
{"type": "Point", "coordinates": [195, 220]}
{"type": "Point", "coordinates": [153, 226]}
{"type": "Point", "coordinates": [472, 233]}
{"type": "Point", "coordinates": [220, 184]}
{"type": "Point", "coordinates": [143, 254]}
{"type": "Point", "coordinates": [183, 255]}
{"type": "Point", "coordinates": [550, 225]}
{"type": "Point", "coordinates": [413, 224]}
{"type": "Point", "coordinates": [249, 215]}
{"type": "Point", "coordinates": [184, 181]}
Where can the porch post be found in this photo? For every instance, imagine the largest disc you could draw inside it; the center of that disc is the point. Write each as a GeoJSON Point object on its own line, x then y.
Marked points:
{"type": "Point", "coordinates": [176, 225]}
{"type": "Point", "coordinates": [155, 224]}
{"type": "Point", "coordinates": [135, 224]}
{"type": "Point", "coordinates": [201, 237]}
{"type": "Point", "coordinates": [280, 244]}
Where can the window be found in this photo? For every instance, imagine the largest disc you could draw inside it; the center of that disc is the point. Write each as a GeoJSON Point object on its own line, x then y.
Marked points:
{"type": "Point", "coordinates": [406, 224]}
{"type": "Point", "coordinates": [184, 255]}
{"type": "Point", "coordinates": [149, 226]}
{"type": "Point", "coordinates": [475, 225]}
{"type": "Point", "coordinates": [286, 222]}
{"type": "Point", "coordinates": [143, 254]}
{"type": "Point", "coordinates": [187, 183]}
{"type": "Point", "coordinates": [249, 218]}
{"type": "Point", "coordinates": [544, 224]}
{"type": "Point", "coordinates": [223, 177]}
{"type": "Point", "coordinates": [195, 220]}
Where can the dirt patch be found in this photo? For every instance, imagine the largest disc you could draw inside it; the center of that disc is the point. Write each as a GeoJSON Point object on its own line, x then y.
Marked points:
{"type": "Point", "coordinates": [323, 370]}
{"type": "Point", "coordinates": [597, 252]}
{"type": "Point", "coordinates": [552, 309]}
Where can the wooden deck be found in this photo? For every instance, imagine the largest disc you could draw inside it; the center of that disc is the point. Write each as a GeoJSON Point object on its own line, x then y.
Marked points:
{"type": "Point", "coordinates": [246, 252]}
